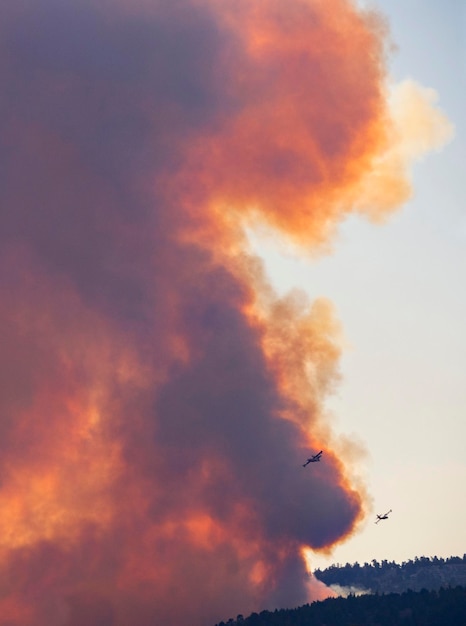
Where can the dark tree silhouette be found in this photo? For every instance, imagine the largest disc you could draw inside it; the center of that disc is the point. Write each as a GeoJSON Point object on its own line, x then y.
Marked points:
{"type": "Point", "coordinates": [388, 576]}
{"type": "Point", "coordinates": [420, 592]}
{"type": "Point", "coordinates": [445, 607]}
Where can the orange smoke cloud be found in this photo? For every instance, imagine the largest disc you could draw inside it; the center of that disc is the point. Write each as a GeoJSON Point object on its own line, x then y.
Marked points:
{"type": "Point", "coordinates": [309, 113]}
{"type": "Point", "coordinates": [157, 399]}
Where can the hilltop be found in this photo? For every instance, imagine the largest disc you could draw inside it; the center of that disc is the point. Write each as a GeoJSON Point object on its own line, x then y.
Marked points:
{"type": "Point", "coordinates": [390, 577]}
{"type": "Point", "coordinates": [446, 607]}
{"type": "Point", "coordinates": [420, 592]}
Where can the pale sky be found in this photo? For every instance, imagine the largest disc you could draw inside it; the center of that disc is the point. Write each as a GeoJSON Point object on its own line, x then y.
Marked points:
{"type": "Point", "coordinates": [399, 293]}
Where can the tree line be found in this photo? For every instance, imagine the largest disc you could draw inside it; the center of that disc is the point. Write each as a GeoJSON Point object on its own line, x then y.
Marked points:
{"type": "Point", "coordinates": [445, 607]}
{"type": "Point", "coordinates": [390, 577]}
{"type": "Point", "coordinates": [420, 592]}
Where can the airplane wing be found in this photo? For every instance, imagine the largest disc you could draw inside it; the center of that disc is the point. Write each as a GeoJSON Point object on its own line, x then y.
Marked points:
{"type": "Point", "coordinates": [313, 459]}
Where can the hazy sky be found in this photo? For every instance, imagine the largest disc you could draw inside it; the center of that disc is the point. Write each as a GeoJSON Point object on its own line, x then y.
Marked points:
{"type": "Point", "coordinates": [398, 290]}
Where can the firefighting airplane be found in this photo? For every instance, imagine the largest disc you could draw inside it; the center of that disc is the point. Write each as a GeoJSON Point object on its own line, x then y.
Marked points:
{"type": "Point", "coordinates": [384, 516]}
{"type": "Point", "coordinates": [313, 459]}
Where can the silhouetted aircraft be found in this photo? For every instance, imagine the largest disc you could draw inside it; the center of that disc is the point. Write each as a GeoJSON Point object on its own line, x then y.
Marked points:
{"type": "Point", "coordinates": [313, 459]}
{"type": "Point", "coordinates": [384, 516]}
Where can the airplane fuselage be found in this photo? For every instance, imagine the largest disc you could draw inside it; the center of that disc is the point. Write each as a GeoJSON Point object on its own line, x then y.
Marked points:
{"type": "Point", "coordinates": [384, 516]}
{"type": "Point", "coordinates": [313, 459]}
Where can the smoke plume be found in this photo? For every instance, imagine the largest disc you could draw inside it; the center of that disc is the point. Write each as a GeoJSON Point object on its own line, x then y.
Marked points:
{"type": "Point", "coordinates": [157, 399]}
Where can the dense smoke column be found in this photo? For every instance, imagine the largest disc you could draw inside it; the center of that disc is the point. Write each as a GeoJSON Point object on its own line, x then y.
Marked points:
{"type": "Point", "coordinates": [156, 398]}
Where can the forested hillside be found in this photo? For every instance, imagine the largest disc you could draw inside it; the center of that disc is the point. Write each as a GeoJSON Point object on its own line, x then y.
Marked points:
{"type": "Point", "coordinates": [446, 607]}
{"type": "Point", "coordinates": [421, 592]}
{"type": "Point", "coordinates": [390, 577]}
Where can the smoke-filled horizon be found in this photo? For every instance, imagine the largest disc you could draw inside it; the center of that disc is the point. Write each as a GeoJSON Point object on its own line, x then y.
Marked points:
{"type": "Point", "coordinates": [157, 398]}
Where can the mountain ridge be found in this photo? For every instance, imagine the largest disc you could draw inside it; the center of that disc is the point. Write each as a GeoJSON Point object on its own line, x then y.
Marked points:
{"type": "Point", "coordinates": [420, 592]}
